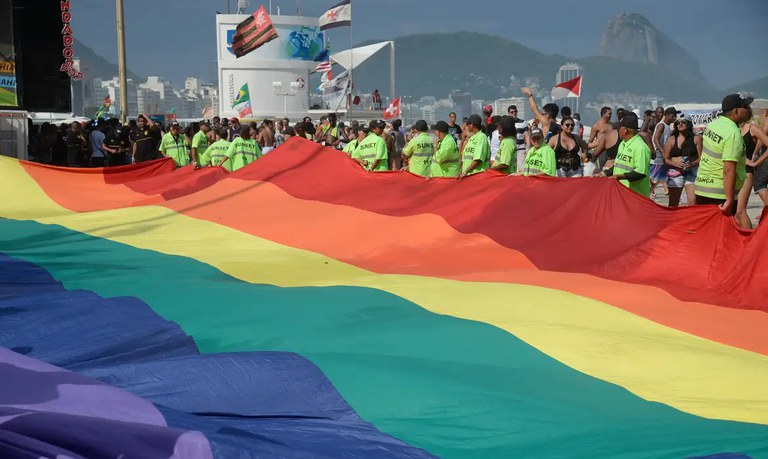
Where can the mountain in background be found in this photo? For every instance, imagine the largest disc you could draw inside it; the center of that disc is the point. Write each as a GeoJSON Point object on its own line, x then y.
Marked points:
{"type": "Point", "coordinates": [757, 88]}
{"type": "Point", "coordinates": [491, 67]}
{"type": "Point", "coordinates": [97, 66]}
{"type": "Point", "coordinates": [632, 37]}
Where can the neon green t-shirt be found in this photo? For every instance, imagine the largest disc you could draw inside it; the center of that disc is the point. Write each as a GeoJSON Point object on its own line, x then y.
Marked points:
{"type": "Point", "coordinates": [634, 155]}
{"type": "Point", "coordinates": [217, 152]}
{"type": "Point", "coordinates": [372, 148]}
{"type": "Point", "coordinates": [446, 160]}
{"type": "Point", "coordinates": [722, 141]}
{"type": "Point", "coordinates": [177, 148]}
{"type": "Point", "coordinates": [419, 152]}
{"type": "Point", "coordinates": [242, 152]}
{"type": "Point", "coordinates": [477, 148]}
{"type": "Point", "coordinates": [200, 143]}
{"type": "Point", "coordinates": [541, 159]}
{"type": "Point", "coordinates": [350, 147]}
{"type": "Point", "coordinates": [507, 155]}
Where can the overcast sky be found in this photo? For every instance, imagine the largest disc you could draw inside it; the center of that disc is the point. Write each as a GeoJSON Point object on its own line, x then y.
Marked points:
{"type": "Point", "coordinates": [176, 38]}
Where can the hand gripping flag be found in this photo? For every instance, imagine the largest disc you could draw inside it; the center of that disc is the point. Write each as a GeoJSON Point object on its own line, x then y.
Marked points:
{"type": "Point", "coordinates": [253, 33]}
{"type": "Point", "coordinates": [243, 102]}
{"type": "Point", "coordinates": [338, 16]}
{"type": "Point", "coordinates": [570, 88]}
{"type": "Point", "coordinates": [393, 110]}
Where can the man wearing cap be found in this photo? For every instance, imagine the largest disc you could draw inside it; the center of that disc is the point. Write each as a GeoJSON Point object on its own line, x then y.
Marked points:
{"type": "Point", "coordinates": [540, 159]}
{"type": "Point", "coordinates": [372, 152]}
{"type": "Point", "coordinates": [418, 153]}
{"type": "Point", "coordinates": [200, 142]}
{"type": "Point", "coordinates": [445, 162]}
{"type": "Point", "coordinates": [477, 152]}
{"type": "Point", "coordinates": [242, 151]}
{"type": "Point", "coordinates": [632, 165]}
{"type": "Point", "coordinates": [175, 146]}
{"type": "Point", "coordinates": [359, 133]}
{"type": "Point", "coordinates": [722, 168]}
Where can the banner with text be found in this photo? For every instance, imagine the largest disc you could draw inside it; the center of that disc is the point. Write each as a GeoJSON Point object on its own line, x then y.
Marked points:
{"type": "Point", "coordinates": [8, 93]}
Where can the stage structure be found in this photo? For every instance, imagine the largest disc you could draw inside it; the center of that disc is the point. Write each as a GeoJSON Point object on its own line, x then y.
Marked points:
{"type": "Point", "coordinates": [277, 74]}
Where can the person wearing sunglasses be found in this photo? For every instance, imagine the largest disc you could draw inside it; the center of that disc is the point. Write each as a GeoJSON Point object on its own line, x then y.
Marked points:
{"type": "Point", "coordinates": [569, 150]}
{"type": "Point", "coordinates": [681, 155]}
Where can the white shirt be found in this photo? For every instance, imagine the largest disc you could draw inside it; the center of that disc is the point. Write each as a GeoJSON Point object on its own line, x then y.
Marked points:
{"type": "Point", "coordinates": [97, 144]}
{"type": "Point", "coordinates": [495, 144]}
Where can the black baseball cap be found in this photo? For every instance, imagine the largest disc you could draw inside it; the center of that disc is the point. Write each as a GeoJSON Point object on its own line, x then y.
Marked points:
{"type": "Point", "coordinates": [175, 124]}
{"type": "Point", "coordinates": [376, 124]}
{"type": "Point", "coordinates": [629, 121]}
{"type": "Point", "coordinates": [536, 132]}
{"type": "Point", "coordinates": [420, 126]}
{"type": "Point", "coordinates": [441, 126]}
{"type": "Point", "coordinates": [475, 120]}
{"type": "Point", "coordinates": [671, 111]}
{"type": "Point", "coordinates": [734, 101]}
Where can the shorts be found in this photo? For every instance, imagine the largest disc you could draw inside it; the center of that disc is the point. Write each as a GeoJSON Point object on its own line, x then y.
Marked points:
{"type": "Point", "coordinates": [687, 177]}
{"type": "Point", "coordinates": [658, 172]}
{"type": "Point", "coordinates": [761, 177]}
{"type": "Point", "coordinates": [703, 200]}
{"type": "Point", "coordinates": [569, 173]}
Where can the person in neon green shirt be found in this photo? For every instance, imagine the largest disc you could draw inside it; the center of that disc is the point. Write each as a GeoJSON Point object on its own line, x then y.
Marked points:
{"type": "Point", "coordinates": [199, 141]}
{"type": "Point", "coordinates": [506, 161]}
{"type": "Point", "coordinates": [477, 153]}
{"type": "Point", "coordinates": [359, 133]}
{"type": "Point", "coordinates": [445, 162]}
{"type": "Point", "coordinates": [372, 151]}
{"type": "Point", "coordinates": [242, 151]}
{"type": "Point", "coordinates": [175, 146]}
{"type": "Point", "coordinates": [217, 151]}
{"type": "Point", "coordinates": [540, 159]}
{"type": "Point", "coordinates": [722, 167]}
{"type": "Point", "coordinates": [418, 153]}
{"type": "Point", "coordinates": [632, 166]}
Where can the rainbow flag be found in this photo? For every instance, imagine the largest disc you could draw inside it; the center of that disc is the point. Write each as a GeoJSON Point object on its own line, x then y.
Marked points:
{"type": "Point", "coordinates": [301, 307]}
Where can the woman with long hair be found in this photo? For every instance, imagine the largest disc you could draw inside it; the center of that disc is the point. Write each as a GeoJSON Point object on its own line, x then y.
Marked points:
{"type": "Point", "coordinates": [569, 150]}
{"type": "Point", "coordinates": [681, 154]}
{"type": "Point", "coordinates": [753, 137]}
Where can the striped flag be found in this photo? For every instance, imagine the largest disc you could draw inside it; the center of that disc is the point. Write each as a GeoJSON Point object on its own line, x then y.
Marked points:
{"type": "Point", "coordinates": [207, 112]}
{"type": "Point", "coordinates": [323, 67]}
{"type": "Point", "coordinates": [106, 103]}
{"type": "Point", "coordinates": [253, 33]}
{"type": "Point", "coordinates": [338, 16]}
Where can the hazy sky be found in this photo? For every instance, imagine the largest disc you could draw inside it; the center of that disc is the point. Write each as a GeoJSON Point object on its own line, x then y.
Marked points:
{"type": "Point", "coordinates": [176, 38]}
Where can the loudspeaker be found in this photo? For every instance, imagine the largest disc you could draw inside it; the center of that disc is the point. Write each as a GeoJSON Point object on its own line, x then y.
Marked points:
{"type": "Point", "coordinates": [37, 27]}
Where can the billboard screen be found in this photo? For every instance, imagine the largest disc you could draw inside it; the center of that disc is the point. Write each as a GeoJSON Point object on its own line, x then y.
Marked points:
{"type": "Point", "coordinates": [8, 95]}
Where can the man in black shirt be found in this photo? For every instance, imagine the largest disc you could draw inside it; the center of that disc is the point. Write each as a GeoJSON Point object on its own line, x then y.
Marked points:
{"type": "Point", "coordinates": [76, 145]}
{"type": "Point", "coordinates": [116, 144]}
{"type": "Point", "coordinates": [145, 140]}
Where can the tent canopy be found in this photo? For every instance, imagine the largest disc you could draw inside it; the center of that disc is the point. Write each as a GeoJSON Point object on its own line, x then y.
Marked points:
{"type": "Point", "coordinates": [356, 56]}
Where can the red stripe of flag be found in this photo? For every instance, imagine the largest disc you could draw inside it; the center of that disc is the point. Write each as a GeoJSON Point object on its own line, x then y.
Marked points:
{"type": "Point", "coordinates": [253, 32]}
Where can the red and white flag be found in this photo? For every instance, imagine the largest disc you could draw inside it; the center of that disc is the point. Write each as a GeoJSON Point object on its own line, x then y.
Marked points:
{"type": "Point", "coordinates": [253, 33]}
{"type": "Point", "coordinates": [393, 111]}
{"type": "Point", "coordinates": [339, 15]}
{"type": "Point", "coordinates": [570, 88]}
{"type": "Point", "coordinates": [323, 67]}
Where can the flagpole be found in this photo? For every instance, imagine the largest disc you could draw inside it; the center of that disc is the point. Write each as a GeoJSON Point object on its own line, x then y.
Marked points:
{"type": "Point", "coordinates": [351, 66]}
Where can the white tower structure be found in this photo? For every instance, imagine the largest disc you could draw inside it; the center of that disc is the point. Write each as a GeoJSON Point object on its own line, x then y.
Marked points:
{"type": "Point", "coordinates": [286, 60]}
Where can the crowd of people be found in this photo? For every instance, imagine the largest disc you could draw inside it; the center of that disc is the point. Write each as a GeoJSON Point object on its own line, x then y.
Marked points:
{"type": "Point", "coordinates": [722, 165]}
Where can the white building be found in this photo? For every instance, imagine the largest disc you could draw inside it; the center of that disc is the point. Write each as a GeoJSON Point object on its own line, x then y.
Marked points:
{"type": "Point", "coordinates": [149, 100]}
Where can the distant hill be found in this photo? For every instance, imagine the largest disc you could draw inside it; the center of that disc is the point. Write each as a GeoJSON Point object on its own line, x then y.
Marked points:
{"type": "Point", "coordinates": [98, 66]}
{"type": "Point", "coordinates": [632, 37]}
{"type": "Point", "coordinates": [758, 88]}
{"type": "Point", "coordinates": [435, 64]}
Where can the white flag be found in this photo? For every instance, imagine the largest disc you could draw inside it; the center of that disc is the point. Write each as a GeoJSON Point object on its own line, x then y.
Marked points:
{"type": "Point", "coordinates": [338, 16]}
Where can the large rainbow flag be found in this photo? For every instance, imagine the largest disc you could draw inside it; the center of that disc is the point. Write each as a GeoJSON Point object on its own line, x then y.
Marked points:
{"type": "Point", "coordinates": [302, 307]}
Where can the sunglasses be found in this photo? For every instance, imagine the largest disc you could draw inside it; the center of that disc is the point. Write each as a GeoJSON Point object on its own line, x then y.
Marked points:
{"type": "Point", "coordinates": [568, 125]}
